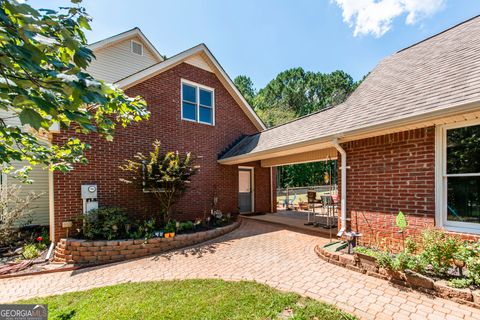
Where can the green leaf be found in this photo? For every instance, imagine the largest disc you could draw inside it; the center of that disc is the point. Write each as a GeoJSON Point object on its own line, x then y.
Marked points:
{"type": "Point", "coordinates": [44, 53]}
{"type": "Point", "coordinates": [401, 221]}
{"type": "Point", "coordinates": [32, 118]}
{"type": "Point", "coordinates": [83, 22]}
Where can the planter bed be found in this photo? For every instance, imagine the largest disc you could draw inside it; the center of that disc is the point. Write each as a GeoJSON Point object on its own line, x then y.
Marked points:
{"type": "Point", "coordinates": [408, 278]}
{"type": "Point", "coordinates": [77, 251]}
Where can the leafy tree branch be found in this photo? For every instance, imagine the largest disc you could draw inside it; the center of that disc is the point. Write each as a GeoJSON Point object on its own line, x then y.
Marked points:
{"type": "Point", "coordinates": [43, 82]}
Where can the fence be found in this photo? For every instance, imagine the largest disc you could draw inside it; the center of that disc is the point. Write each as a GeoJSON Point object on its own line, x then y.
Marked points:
{"type": "Point", "coordinates": [302, 191]}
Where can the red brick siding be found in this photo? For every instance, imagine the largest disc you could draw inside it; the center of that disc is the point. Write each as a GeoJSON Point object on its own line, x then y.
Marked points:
{"type": "Point", "coordinates": [390, 173]}
{"type": "Point", "coordinates": [162, 93]}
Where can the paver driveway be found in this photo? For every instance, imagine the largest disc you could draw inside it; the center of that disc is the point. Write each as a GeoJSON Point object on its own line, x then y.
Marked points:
{"type": "Point", "coordinates": [255, 251]}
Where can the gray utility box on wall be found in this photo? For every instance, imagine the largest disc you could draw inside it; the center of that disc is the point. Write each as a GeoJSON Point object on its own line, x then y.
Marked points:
{"type": "Point", "coordinates": [89, 197]}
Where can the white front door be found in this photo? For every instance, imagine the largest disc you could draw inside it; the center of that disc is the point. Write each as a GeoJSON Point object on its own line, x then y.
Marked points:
{"type": "Point", "coordinates": [245, 190]}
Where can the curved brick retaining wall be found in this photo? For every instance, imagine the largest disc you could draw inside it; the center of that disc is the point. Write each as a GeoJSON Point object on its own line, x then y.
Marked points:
{"type": "Point", "coordinates": [407, 279]}
{"type": "Point", "coordinates": [78, 251]}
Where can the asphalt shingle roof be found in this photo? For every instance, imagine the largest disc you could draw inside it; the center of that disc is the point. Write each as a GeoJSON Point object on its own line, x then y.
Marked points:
{"type": "Point", "coordinates": [435, 74]}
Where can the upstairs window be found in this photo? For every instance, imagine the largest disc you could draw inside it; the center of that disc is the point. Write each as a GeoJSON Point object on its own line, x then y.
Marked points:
{"type": "Point", "coordinates": [197, 103]}
{"type": "Point", "coordinates": [137, 48]}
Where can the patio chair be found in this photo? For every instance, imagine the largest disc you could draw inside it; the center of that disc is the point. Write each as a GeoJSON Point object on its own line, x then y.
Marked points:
{"type": "Point", "coordinates": [312, 201]}
{"type": "Point", "coordinates": [327, 212]}
{"type": "Point", "coordinates": [290, 203]}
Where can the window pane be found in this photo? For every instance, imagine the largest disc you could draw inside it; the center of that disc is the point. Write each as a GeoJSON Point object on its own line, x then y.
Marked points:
{"type": "Point", "coordinates": [206, 115]}
{"type": "Point", "coordinates": [463, 199]}
{"type": "Point", "coordinates": [189, 93]}
{"type": "Point", "coordinates": [244, 182]}
{"type": "Point", "coordinates": [189, 111]}
{"type": "Point", "coordinates": [205, 98]}
{"type": "Point", "coordinates": [463, 150]}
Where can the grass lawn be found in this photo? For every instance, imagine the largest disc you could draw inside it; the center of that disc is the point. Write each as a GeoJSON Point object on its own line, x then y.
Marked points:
{"type": "Point", "coordinates": [189, 299]}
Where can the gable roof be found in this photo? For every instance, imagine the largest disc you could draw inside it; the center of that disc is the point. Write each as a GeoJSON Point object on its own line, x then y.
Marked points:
{"type": "Point", "coordinates": [135, 32]}
{"type": "Point", "coordinates": [426, 80]}
{"type": "Point", "coordinates": [202, 51]}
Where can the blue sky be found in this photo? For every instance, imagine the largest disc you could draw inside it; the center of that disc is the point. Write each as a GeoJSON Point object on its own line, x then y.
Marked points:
{"type": "Point", "coordinates": [262, 38]}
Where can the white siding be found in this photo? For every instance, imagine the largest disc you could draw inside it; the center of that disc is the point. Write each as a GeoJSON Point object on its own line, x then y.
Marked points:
{"type": "Point", "coordinates": [117, 61]}
{"type": "Point", "coordinates": [39, 209]}
{"type": "Point", "coordinates": [198, 62]}
{"type": "Point", "coordinates": [9, 118]}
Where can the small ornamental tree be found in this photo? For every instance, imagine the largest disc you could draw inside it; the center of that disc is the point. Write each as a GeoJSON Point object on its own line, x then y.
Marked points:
{"type": "Point", "coordinates": [166, 175]}
{"type": "Point", "coordinates": [402, 224]}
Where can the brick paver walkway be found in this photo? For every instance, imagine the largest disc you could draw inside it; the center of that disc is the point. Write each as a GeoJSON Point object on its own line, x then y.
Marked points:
{"type": "Point", "coordinates": [261, 252]}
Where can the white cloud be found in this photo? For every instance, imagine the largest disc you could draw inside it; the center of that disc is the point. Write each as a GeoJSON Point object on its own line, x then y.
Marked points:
{"type": "Point", "coordinates": [376, 16]}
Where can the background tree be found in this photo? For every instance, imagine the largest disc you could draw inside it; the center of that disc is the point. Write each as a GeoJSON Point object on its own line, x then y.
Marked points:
{"type": "Point", "coordinates": [295, 93]}
{"type": "Point", "coordinates": [43, 56]}
{"type": "Point", "coordinates": [245, 85]}
{"type": "Point", "coordinates": [303, 92]}
{"type": "Point", "coordinates": [167, 176]}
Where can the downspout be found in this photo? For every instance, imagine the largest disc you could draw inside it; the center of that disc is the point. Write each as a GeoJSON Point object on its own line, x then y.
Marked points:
{"type": "Point", "coordinates": [343, 200]}
{"type": "Point", "coordinates": [271, 190]}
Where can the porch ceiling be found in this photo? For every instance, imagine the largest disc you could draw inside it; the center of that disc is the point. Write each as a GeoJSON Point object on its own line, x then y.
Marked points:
{"type": "Point", "coordinates": [309, 156]}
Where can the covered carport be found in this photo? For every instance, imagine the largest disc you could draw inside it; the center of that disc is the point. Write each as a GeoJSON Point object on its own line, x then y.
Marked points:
{"type": "Point", "coordinates": [295, 218]}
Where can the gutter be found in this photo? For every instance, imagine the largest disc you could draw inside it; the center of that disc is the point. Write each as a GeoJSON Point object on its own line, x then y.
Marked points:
{"type": "Point", "coordinates": [343, 201]}
{"type": "Point", "coordinates": [422, 119]}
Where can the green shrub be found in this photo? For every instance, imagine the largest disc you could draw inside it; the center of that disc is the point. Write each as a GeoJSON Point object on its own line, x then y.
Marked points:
{"type": "Point", "coordinates": [142, 230]}
{"type": "Point", "coordinates": [30, 251]}
{"type": "Point", "coordinates": [385, 260]}
{"type": "Point", "coordinates": [366, 251]}
{"type": "Point", "coordinates": [473, 266]}
{"type": "Point", "coordinates": [460, 283]}
{"type": "Point", "coordinates": [464, 252]}
{"type": "Point", "coordinates": [186, 225]}
{"type": "Point", "coordinates": [171, 226]}
{"type": "Point", "coordinates": [405, 260]}
{"type": "Point", "coordinates": [439, 250]}
{"type": "Point", "coordinates": [105, 223]}
{"type": "Point", "coordinates": [410, 245]}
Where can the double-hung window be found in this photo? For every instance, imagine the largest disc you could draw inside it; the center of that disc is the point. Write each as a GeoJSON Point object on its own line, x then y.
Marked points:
{"type": "Point", "coordinates": [459, 179]}
{"type": "Point", "coordinates": [198, 103]}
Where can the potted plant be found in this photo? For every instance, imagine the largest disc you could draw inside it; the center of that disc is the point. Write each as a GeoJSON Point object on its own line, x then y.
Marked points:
{"type": "Point", "coordinates": [170, 229]}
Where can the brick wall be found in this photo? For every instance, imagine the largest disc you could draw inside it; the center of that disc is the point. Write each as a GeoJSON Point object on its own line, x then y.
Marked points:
{"type": "Point", "coordinates": [390, 173]}
{"type": "Point", "coordinates": [162, 93]}
{"type": "Point", "coordinates": [97, 252]}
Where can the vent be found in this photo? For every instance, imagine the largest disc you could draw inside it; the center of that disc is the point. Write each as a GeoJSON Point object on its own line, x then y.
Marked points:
{"type": "Point", "coordinates": [137, 48]}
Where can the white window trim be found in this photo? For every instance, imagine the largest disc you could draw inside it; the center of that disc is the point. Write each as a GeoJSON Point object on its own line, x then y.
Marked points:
{"type": "Point", "coordinates": [441, 180]}
{"type": "Point", "coordinates": [197, 110]}
{"type": "Point", "coordinates": [252, 172]}
{"type": "Point", "coordinates": [140, 44]}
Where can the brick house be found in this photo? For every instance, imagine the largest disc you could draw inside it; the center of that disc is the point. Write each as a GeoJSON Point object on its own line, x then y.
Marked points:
{"type": "Point", "coordinates": [194, 107]}
{"type": "Point", "coordinates": [407, 139]}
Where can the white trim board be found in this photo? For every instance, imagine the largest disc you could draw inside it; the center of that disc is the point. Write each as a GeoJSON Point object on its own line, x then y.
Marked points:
{"type": "Point", "coordinates": [252, 172]}
{"type": "Point", "coordinates": [124, 36]}
{"type": "Point", "coordinates": [441, 180]}
{"type": "Point", "coordinates": [198, 86]}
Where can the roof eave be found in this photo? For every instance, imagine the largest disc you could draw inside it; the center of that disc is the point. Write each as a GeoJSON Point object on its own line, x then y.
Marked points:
{"type": "Point", "coordinates": [179, 58]}
{"type": "Point", "coordinates": [372, 130]}
{"type": "Point", "coordinates": [123, 36]}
